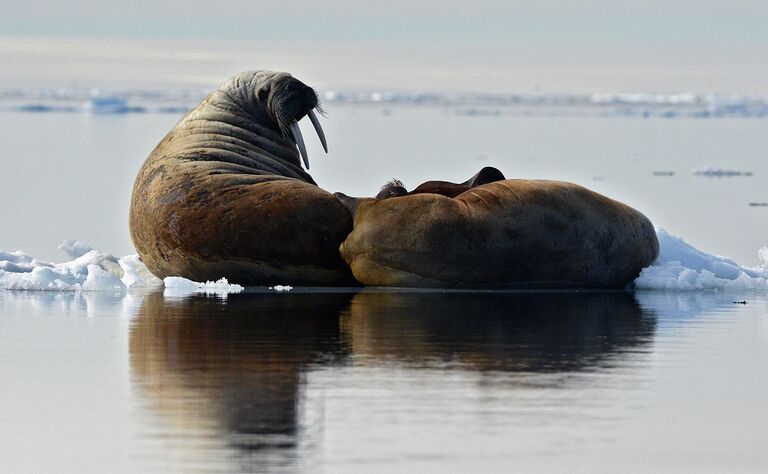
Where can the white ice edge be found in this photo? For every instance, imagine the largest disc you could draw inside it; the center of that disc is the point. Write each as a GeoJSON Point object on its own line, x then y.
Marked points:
{"type": "Point", "coordinates": [178, 286]}
{"type": "Point", "coordinates": [679, 267]}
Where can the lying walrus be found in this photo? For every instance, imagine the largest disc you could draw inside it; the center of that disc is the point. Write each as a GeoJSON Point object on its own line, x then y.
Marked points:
{"type": "Point", "coordinates": [224, 194]}
{"type": "Point", "coordinates": [491, 232]}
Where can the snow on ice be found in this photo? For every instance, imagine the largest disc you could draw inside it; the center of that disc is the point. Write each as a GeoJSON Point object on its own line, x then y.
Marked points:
{"type": "Point", "coordinates": [679, 266]}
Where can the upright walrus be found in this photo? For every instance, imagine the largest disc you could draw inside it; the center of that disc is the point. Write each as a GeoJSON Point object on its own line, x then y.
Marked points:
{"type": "Point", "coordinates": [492, 232]}
{"type": "Point", "coordinates": [224, 194]}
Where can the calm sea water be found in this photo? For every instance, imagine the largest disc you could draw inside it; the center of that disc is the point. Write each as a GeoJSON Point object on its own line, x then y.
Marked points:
{"type": "Point", "coordinates": [376, 381]}
{"type": "Point", "coordinates": [382, 381]}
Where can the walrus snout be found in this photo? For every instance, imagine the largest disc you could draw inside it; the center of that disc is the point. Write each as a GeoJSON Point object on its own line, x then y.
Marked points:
{"type": "Point", "coordinates": [290, 100]}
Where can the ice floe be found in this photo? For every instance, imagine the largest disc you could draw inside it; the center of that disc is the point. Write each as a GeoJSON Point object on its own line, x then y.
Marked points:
{"type": "Point", "coordinates": [178, 286]}
{"type": "Point", "coordinates": [88, 270]}
{"type": "Point", "coordinates": [714, 172]}
{"type": "Point", "coordinates": [680, 266]}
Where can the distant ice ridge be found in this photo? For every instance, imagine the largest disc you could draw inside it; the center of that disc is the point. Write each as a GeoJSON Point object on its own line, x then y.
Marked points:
{"type": "Point", "coordinates": [712, 171]}
{"type": "Point", "coordinates": [685, 104]}
{"type": "Point", "coordinates": [680, 266]}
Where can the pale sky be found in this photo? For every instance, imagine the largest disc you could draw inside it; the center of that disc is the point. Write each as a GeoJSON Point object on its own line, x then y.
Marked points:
{"type": "Point", "coordinates": [501, 46]}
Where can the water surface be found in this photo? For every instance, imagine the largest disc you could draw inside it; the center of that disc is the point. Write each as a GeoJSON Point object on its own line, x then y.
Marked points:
{"type": "Point", "coordinates": [376, 381]}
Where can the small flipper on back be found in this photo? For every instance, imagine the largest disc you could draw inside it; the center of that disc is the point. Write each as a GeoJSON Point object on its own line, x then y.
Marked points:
{"type": "Point", "coordinates": [486, 175]}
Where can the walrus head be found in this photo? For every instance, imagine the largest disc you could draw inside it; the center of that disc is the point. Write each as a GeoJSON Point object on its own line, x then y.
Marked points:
{"type": "Point", "coordinates": [283, 100]}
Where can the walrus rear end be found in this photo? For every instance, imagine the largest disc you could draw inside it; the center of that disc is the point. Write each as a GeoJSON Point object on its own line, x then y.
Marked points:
{"type": "Point", "coordinates": [506, 234]}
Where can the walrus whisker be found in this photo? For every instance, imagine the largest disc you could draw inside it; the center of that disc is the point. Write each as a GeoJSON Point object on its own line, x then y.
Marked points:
{"type": "Point", "coordinates": [300, 142]}
{"type": "Point", "coordinates": [318, 129]}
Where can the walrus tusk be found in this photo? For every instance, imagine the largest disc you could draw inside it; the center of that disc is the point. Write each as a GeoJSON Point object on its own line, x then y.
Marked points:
{"type": "Point", "coordinates": [300, 142]}
{"type": "Point", "coordinates": [318, 129]}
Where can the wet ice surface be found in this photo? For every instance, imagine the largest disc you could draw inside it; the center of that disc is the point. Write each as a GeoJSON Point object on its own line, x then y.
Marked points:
{"type": "Point", "coordinates": [376, 381]}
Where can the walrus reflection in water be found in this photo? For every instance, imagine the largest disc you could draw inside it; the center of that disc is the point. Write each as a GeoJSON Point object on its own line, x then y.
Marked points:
{"type": "Point", "coordinates": [235, 367]}
{"type": "Point", "coordinates": [529, 332]}
{"type": "Point", "coordinates": [235, 371]}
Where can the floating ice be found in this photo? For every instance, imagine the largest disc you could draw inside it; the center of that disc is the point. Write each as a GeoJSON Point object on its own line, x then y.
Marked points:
{"type": "Point", "coordinates": [98, 279]}
{"type": "Point", "coordinates": [136, 275]}
{"type": "Point", "coordinates": [680, 266]}
{"type": "Point", "coordinates": [19, 271]}
{"type": "Point", "coordinates": [178, 286]}
{"type": "Point", "coordinates": [19, 262]}
{"type": "Point", "coordinates": [712, 171]}
{"type": "Point", "coordinates": [109, 105]}
{"type": "Point", "coordinates": [74, 249]}
{"type": "Point", "coordinates": [89, 270]}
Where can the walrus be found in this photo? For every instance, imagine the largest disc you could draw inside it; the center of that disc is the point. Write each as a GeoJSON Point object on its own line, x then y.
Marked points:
{"type": "Point", "coordinates": [224, 193]}
{"type": "Point", "coordinates": [503, 233]}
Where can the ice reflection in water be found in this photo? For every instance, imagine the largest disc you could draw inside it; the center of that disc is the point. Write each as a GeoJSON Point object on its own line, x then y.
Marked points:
{"type": "Point", "coordinates": [230, 377]}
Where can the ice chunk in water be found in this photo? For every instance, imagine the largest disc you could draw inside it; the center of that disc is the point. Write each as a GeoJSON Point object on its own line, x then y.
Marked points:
{"type": "Point", "coordinates": [680, 266]}
{"type": "Point", "coordinates": [178, 286]}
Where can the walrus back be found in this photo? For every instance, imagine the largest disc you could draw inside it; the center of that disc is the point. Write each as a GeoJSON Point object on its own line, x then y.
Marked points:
{"type": "Point", "coordinates": [512, 233]}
